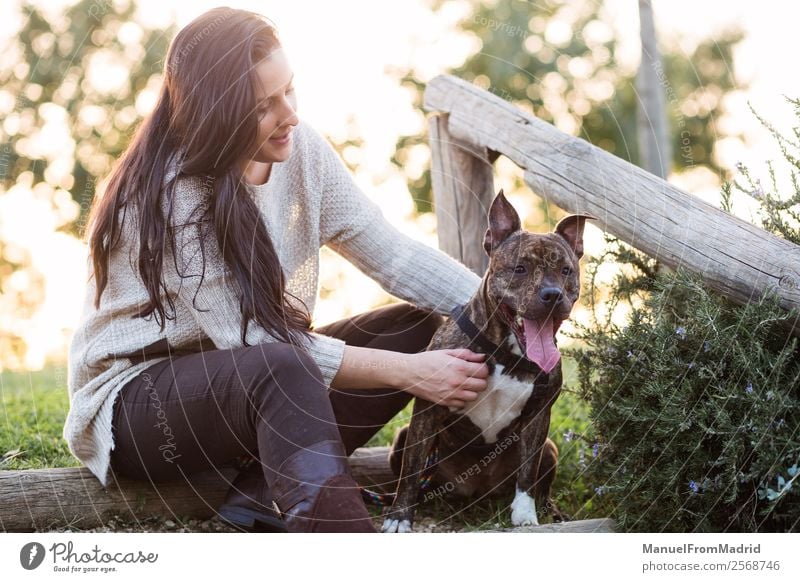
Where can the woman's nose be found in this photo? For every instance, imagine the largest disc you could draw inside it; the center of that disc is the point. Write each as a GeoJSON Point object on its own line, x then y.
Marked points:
{"type": "Point", "coordinates": [288, 114]}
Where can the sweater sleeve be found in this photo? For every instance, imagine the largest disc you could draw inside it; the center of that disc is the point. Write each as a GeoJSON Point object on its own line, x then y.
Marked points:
{"type": "Point", "coordinates": [215, 302]}
{"type": "Point", "coordinates": [353, 226]}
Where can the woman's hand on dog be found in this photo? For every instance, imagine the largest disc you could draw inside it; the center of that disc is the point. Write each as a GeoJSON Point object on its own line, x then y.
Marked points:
{"type": "Point", "coordinates": [451, 377]}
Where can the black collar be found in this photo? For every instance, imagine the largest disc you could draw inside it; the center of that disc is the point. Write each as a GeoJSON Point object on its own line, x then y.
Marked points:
{"type": "Point", "coordinates": [479, 343]}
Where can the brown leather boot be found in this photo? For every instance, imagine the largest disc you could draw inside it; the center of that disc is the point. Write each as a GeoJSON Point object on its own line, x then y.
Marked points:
{"type": "Point", "coordinates": [315, 492]}
{"type": "Point", "coordinates": [248, 504]}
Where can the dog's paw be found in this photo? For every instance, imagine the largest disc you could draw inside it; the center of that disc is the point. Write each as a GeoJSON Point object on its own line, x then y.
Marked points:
{"type": "Point", "coordinates": [523, 510]}
{"type": "Point", "coordinates": [396, 526]}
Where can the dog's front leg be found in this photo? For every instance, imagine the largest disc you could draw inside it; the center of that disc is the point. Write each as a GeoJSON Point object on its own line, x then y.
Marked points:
{"type": "Point", "coordinates": [532, 441]}
{"type": "Point", "coordinates": [418, 445]}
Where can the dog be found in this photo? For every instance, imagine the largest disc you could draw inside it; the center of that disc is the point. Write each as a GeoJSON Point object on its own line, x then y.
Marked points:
{"type": "Point", "coordinates": [500, 438]}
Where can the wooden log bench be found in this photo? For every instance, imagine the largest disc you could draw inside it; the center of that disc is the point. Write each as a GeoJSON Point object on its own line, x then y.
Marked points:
{"type": "Point", "coordinates": [47, 499]}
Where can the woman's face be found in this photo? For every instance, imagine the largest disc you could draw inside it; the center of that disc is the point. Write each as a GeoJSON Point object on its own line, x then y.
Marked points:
{"type": "Point", "coordinates": [276, 106]}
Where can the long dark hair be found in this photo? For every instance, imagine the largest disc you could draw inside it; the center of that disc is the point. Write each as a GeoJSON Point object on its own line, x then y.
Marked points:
{"type": "Point", "coordinates": [206, 110]}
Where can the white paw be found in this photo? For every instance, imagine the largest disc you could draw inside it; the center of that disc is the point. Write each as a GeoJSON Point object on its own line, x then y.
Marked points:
{"type": "Point", "coordinates": [523, 510]}
{"type": "Point", "coordinates": [396, 526]}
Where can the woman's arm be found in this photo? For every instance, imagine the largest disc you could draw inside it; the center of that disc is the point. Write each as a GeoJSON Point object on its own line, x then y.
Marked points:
{"type": "Point", "coordinates": [447, 377]}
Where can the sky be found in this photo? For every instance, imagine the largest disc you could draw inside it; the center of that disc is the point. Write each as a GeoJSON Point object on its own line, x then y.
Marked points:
{"type": "Point", "coordinates": [341, 53]}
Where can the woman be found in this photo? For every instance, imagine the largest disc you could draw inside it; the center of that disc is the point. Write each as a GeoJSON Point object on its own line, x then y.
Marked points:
{"type": "Point", "coordinates": [196, 347]}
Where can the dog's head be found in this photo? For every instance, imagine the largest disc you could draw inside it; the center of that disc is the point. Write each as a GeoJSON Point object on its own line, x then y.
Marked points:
{"type": "Point", "coordinates": [533, 280]}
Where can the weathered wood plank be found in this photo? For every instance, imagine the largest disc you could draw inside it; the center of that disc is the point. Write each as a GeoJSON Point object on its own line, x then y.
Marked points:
{"type": "Point", "coordinates": [42, 499]}
{"type": "Point", "coordinates": [463, 188]}
{"type": "Point", "coordinates": [601, 525]}
{"type": "Point", "coordinates": [735, 258]}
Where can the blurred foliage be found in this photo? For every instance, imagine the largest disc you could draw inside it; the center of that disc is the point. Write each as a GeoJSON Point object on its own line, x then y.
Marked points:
{"type": "Point", "coordinates": [72, 89]}
{"type": "Point", "coordinates": [86, 67]}
{"type": "Point", "coordinates": [556, 59]}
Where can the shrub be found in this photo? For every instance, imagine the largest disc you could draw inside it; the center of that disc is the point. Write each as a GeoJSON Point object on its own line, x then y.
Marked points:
{"type": "Point", "coordinates": [694, 405]}
{"type": "Point", "coordinates": [694, 400]}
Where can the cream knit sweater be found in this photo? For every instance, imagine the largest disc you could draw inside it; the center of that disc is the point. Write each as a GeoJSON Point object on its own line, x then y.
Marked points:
{"type": "Point", "coordinates": [310, 200]}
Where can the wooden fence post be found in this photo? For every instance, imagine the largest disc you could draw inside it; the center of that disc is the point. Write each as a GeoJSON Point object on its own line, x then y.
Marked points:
{"type": "Point", "coordinates": [463, 189]}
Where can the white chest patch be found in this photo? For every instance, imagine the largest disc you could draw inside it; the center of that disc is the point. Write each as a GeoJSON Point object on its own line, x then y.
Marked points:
{"type": "Point", "coordinates": [499, 405]}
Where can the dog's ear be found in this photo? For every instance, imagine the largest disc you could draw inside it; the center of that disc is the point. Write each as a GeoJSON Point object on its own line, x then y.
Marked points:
{"type": "Point", "coordinates": [571, 229]}
{"type": "Point", "coordinates": [503, 221]}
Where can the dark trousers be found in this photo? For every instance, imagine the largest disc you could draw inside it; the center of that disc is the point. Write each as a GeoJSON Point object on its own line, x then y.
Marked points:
{"type": "Point", "coordinates": [206, 410]}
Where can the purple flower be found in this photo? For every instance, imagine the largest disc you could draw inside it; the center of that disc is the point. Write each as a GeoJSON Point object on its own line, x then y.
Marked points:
{"type": "Point", "coordinates": [681, 332]}
{"type": "Point", "coordinates": [694, 487]}
{"type": "Point", "coordinates": [568, 436]}
{"type": "Point", "coordinates": [630, 354]}
{"type": "Point", "coordinates": [706, 346]}
{"type": "Point", "coordinates": [600, 490]}
{"type": "Point", "coordinates": [595, 449]}
{"type": "Point", "coordinates": [749, 388]}
{"type": "Point", "coordinates": [758, 193]}
{"type": "Point", "coordinates": [690, 365]}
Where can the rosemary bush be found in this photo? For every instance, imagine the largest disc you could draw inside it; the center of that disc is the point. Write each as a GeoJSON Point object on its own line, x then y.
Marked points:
{"type": "Point", "coordinates": [695, 399]}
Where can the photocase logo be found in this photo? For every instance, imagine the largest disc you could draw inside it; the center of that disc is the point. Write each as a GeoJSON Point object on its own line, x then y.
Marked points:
{"type": "Point", "coordinates": [31, 555]}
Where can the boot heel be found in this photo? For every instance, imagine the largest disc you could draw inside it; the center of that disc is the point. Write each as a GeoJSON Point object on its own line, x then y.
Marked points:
{"type": "Point", "coordinates": [249, 520]}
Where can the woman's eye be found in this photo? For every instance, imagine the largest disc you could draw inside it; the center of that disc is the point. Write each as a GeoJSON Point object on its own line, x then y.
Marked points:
{"type": "Point", "coordinates": [566, 271]}
{"type": "Point", "coordinates": [520, 270]}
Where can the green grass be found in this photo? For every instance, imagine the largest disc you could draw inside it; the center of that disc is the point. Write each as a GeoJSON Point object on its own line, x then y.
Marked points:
{"type": "Point", "coordinates": [33, 407]}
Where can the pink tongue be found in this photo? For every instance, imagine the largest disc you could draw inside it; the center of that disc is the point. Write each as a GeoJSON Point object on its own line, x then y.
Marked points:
{"type": "Point", "coordinates": [540, 347]}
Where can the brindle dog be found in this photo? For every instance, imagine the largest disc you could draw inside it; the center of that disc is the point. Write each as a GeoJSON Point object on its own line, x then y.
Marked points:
{"type": "Point", "coordinates": [526, 293]}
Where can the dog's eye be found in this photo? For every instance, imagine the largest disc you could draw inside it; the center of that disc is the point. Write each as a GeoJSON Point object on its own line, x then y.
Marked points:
{"type": "Point", "coordinates": [566, 271]}
{"type": "Point", "coordinates": [520, 270]}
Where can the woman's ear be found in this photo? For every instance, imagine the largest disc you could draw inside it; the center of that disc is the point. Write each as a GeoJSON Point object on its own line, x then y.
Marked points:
{"type": "Point", "coordinates": [571, 229]}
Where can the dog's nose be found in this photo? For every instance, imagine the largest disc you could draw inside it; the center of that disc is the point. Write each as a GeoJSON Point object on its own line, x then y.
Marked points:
{"type": "Point", "coordinates": [551, 295]}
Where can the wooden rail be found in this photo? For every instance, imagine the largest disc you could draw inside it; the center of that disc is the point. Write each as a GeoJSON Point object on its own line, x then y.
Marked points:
{"type": "Point", "coordinates": [49, 499]}
{"type": "Point", "coordinates": [734, 257]}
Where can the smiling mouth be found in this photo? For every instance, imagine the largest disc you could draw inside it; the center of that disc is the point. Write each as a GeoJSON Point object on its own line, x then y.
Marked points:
{"type": "Point", "coordinates": [536, 338]}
